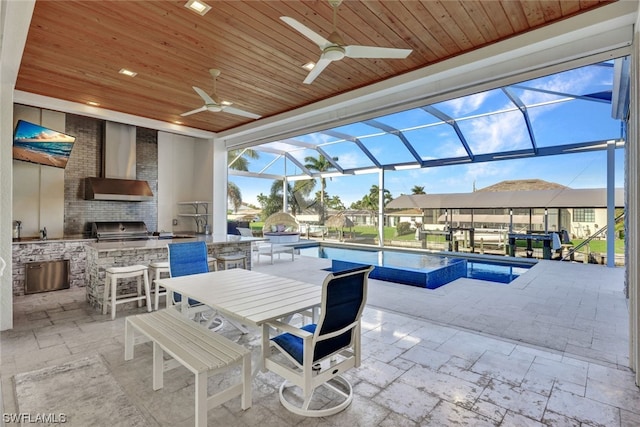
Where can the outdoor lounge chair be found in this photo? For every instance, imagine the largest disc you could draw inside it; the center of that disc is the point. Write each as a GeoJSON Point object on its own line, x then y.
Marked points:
{"type": "Point", "coordinates": [281, 227]}
{"type": "Point", "coordinates": [317, 354]}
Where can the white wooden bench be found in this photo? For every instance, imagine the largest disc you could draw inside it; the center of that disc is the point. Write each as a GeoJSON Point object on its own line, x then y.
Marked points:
{"type": "Point", "coordinates": [195, 347]}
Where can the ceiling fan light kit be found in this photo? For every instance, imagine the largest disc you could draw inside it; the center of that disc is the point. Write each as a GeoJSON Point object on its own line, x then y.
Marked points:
{"type": "Point", "coordinates": [213, 104]}
{"type": "Point", "coordinates": [334, 53]}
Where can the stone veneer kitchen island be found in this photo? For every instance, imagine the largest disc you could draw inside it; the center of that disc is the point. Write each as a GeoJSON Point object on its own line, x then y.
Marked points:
{"type": "Point", "coordinates": [101, 255]}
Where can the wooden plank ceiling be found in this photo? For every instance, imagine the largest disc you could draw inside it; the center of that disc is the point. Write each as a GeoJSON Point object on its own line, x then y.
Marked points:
{"type": "Point", "coordinates": [75, 49]}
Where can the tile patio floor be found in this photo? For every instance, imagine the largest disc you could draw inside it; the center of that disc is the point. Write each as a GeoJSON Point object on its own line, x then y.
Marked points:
{"type": "Point", "coordinates": [548, 349]}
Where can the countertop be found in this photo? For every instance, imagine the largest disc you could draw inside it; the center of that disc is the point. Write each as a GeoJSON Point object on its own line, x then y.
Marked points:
{"type": "Point", "coordinates": [72, 238]}
{"type": "Point", "coordinates": [155, 243]}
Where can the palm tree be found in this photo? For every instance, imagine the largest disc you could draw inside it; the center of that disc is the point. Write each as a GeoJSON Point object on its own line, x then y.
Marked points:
{"type": "Point", "coordinates": [374, 194]}
{"type": "Point", "coordinates": [334, 202]}
{"type": "Point", "coordinates": [234, 196]}
{"type": "Point", "coordinates": [240, 163]}
{"type": "Point", "coordinates": [320, 164]}
{"type": "Point", "coordinates": [238, 159]}
{"type": "Point", "coordinates": [418, 189]}
{"type": "Point", "coordinates": [297, 193]}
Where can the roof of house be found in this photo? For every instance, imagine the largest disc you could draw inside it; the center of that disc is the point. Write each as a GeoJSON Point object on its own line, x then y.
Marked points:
{"type": "Point", "coordinates": [557, 198]}
{"type": "Point", "coordinates": [523, 185]}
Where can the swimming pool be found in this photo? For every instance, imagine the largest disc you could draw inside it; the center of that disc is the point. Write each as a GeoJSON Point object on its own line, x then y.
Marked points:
{"type": "Point", "coordinates": [416, 269]}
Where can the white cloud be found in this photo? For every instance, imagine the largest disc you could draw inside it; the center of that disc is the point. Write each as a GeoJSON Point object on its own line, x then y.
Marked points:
{"type": "Point", "coordinates": [466, 104]}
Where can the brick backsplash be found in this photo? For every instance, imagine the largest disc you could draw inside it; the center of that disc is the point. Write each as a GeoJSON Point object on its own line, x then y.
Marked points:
{"type": "Point", "coordinates": [86, 161]}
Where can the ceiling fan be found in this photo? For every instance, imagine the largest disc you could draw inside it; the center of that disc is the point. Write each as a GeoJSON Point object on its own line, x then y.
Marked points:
{"type": "Point", "coordinates": [334, 49]}
{"type": "Point", "coordinates": [214, 104]}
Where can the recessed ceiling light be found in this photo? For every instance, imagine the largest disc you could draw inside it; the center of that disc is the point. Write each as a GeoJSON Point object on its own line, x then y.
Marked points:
{"type": "Point", "coordinates": [177, 122]}
{"type": "Point", "coordinates": [127, 72]}
{"type": "Point", "coordinates": [95, 104]}
{"type": "Point", "coordinates": [198, 7]}
{"type": "Point", "coordinates": [309, 66]}
{"type": "Point", "coordinates": [226, 103]}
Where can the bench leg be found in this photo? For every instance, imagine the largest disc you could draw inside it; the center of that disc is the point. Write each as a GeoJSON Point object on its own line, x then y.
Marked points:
{"type": "Point", "coordinates": [245, 402]}
{"type": "Point", "coordinates": [156, 296]}
{"type": "Point", "coordinates": [129, 341]}
{"type": "Point", "coordinates": [201, 399]}
{"type": "Point", "coordinates": [158, 366]}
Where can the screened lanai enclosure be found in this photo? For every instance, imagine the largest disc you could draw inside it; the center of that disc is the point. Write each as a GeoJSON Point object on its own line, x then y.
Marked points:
{"type": "Point", "coordinates": [574, 111]}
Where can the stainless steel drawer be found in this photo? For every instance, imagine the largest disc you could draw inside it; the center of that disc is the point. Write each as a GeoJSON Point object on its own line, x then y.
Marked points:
{"type": "Point", "coordinates": [44, 276]}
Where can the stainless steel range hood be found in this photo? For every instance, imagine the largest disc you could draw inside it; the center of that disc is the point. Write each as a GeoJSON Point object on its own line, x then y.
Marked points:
{"type": "Point", "coordinates": [119, 181]}
{"type": "Point", "coordinates": [127, 190]}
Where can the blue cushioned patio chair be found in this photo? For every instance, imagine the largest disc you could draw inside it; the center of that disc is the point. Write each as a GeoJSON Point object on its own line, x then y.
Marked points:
{"type": "Point", "coordinates": [185, 259]}
{"type": "Point", "coordinates": [317, 354]}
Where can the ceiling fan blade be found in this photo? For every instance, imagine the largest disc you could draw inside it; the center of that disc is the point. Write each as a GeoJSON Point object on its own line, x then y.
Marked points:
{"type": "Point", "coordinates": [197, 110]}
{"type": "Point", "coordinates": [315, 72]}
{"type": "Point", "coordinates": [207, 99]}
{"type": "Point", "coordinates": [375, 52]}
{"type": "Point", "coordinates": [238, 112]}
{"type": "Point", "coordinates": [307, 32]}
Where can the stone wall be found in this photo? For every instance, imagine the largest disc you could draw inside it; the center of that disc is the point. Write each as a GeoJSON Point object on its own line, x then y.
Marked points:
{"type": "Point", "coordinates": [86, 161]}
{"type": "Point", "coordinates": [98, 260]}
{"type": "Point", "coordinates": [49, 251]}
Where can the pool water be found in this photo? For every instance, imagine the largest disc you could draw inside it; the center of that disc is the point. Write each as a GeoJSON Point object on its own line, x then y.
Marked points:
{"type": "Point", "coordinates": [394, 262]}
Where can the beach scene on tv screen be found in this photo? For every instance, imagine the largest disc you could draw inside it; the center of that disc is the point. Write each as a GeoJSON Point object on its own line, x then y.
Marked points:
{"type": "Point", "coordinates": [37, 144]}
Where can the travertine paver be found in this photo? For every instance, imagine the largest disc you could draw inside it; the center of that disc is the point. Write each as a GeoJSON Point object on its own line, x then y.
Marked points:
{"type": "Point", "coordinates": [489, 367]}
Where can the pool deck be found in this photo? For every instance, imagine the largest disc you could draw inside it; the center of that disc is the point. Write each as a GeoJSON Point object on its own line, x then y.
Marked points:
{"type": "Point", "coordinates": [575, 308]}
{"type": "Point", "coordinates": [551, 348]}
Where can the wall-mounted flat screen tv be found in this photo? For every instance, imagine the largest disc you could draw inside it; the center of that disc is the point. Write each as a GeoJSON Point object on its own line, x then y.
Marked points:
{"type": "Point", "coordinates": [37, 144]}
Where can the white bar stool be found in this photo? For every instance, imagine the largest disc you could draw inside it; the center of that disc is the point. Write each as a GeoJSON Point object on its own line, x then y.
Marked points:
{"type": "Point", "coordinates": [111, 283]}
{"type": "Point", "coordinates": [213, 263]}
{"type": "Point", "coordinates": [232, 260]}
{"type": "Point", "coordinates": [159, 267]}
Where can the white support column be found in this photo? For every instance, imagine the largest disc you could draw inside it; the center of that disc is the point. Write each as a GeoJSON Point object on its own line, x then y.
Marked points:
{"type": "Point", "coordinates": [632, 202]}
{"type": "Point", "coordinates": [611, 204]}
{"type": "Point", "coordinates": [510, 220]}
{"type": "Point", "coordinates": [381, 208]}
{"type": "Point", "coordinates": [15, 17]}
{"type": "Point", "coordinates": [6, 203]}
{"type": "Point", "coordinates": [219, 197]}
{"type": "Point", "coordinates": [285, 195]}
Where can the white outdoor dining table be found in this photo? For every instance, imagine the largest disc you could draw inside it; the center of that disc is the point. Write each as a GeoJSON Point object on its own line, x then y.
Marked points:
{"type": "Point", "coordinates": [246, 296]}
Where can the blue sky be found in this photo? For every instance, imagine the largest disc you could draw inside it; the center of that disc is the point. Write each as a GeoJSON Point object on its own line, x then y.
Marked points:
{"type": "Point", "coordinates": [564, 108]}
{"type": "Point", "coordinates": [586, 170]}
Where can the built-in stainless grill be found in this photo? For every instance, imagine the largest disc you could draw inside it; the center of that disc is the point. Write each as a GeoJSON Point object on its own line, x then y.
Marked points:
{"type": "Point", "coordinates": [119, 231]}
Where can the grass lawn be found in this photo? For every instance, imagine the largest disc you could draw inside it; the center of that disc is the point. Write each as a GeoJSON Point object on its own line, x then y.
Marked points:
{"type": "Point", "coordinates": [371, 232]}
{"type": "Point", "coordinates": [601, 245]}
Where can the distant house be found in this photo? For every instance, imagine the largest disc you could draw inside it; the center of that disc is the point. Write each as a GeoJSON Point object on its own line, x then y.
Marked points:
{"type": "Point", "coordinates": [413, 216]}
{"type": "Point", "coordinates": [530, 204]}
